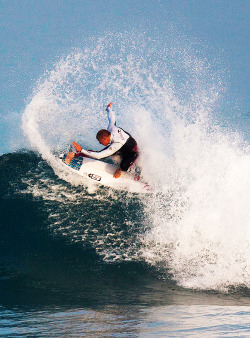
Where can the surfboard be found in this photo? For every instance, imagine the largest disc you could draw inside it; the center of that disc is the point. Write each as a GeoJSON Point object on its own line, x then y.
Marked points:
{"type": "Point", "coordinates": [102, 173]}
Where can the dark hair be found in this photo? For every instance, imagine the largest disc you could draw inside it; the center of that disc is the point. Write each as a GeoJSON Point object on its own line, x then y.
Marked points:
{"type": "Point", "coordinates": [102, 133]}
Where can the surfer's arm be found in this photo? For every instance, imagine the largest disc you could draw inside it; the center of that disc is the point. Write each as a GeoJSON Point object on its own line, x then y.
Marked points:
{"type": "Point", "coordinates": [111, 117]}
{"type": "Point", "coordinates": [106, 152]}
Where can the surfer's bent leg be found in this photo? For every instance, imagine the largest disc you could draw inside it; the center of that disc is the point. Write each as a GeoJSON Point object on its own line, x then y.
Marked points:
{"type": "Point", "coordinates": [128, 159]}
{"type": "Point", "coordinates": [129, 153]}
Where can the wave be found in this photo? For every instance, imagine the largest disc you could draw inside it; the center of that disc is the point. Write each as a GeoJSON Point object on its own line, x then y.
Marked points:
{"type": "Point", "coordinates": [195, 226]}
{"type": "Point", "coordinates": [60, 242]}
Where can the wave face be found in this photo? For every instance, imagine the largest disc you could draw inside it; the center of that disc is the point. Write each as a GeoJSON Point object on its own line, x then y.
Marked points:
{"type": "Point", "coordinates": [194, 228]}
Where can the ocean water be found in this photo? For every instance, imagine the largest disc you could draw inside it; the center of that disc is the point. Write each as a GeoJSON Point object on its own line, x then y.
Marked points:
{"type": "Point", "coordinates": [85, 260]}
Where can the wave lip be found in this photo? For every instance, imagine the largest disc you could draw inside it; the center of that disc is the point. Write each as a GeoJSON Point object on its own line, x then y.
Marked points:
{"type": "Point", "coordinates": [167, 96]}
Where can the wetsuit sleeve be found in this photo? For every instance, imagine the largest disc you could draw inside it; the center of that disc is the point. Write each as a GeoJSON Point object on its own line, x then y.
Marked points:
{"type": "Point", "coordinates": [111, 118]}
{"type": "Point", "coordinates": [106, 152]}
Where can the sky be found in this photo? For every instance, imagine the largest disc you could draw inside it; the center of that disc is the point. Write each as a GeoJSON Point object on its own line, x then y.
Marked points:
{"type": "Point", "coordinates": [35, 34]}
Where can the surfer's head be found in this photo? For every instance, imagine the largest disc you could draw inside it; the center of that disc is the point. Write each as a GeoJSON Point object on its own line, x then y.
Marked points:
{"type": "Point", "coordinates": [103, 136]}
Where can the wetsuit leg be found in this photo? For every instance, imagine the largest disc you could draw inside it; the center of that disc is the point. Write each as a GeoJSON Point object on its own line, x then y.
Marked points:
{"type": "Point", "coordinates": [128, 159]}
{"type": "Point", "coordinates": [128, 153]}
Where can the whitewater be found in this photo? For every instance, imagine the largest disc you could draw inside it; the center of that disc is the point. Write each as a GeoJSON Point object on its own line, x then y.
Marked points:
{"type": "Point", "coordinates": [194, 227]}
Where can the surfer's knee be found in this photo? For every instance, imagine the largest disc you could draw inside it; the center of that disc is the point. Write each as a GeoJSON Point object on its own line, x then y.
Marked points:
{"type": "Point", "coordinates": [127, 162]}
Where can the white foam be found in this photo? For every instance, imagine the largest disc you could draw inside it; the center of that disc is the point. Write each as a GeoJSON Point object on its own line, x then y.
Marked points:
{"type": "Point", "coordinates": [166, 95]}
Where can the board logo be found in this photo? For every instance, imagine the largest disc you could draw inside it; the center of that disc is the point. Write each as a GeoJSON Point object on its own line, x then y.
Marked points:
{"type": "Point", "coordinates": [120, 133]}
{"type": "Point", "coordinates": [95, 177]}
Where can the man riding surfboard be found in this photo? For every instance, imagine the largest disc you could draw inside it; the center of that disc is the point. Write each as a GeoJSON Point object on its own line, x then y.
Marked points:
{"type": "Point", "coordinates": [116, 141]}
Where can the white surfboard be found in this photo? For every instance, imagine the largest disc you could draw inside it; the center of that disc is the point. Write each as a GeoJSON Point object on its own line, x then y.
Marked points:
{"type": "Point", "coordinates": [102, 173]}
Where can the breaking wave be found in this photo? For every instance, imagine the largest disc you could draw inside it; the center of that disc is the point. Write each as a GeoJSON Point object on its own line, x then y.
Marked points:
{"type": "Point", "coordinates": [195, 225]}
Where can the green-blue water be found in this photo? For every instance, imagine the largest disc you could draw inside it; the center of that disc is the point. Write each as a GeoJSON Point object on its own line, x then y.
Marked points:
{"type": "Point", "coordinates": [82, 277]}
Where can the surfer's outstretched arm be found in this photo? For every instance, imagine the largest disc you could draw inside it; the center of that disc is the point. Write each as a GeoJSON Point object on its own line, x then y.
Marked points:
{"type": "Point", "coordinates": [111, 116]}
{"type": "Point", "coordinates": [106, 152]}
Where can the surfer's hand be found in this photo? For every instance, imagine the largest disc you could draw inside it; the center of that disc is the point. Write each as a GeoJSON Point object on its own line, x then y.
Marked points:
{"type": "Point", "coordinates": [109, 105]}
{"type": "Point", "coordinates": [76, 146]}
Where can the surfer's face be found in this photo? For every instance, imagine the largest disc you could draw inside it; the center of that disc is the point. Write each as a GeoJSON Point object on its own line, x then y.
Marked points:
{"type": "Point", "coordinates": [105, 140]}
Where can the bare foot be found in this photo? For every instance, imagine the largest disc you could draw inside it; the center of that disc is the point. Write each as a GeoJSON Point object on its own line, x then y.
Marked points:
{"type": "Point", "coordinates": [69, 157]}
{"type": "Point", "coordinates": [118, 173]}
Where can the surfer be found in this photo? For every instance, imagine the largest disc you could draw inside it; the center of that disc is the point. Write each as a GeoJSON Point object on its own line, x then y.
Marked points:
{"type": "Point", "coordinates": [116, 141]}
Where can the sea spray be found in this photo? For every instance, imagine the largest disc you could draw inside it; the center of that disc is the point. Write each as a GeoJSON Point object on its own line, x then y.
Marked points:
{"type": "Point", "coordinates": [200, 232]}
{"type": "Point", "coordinates": [166, 95]}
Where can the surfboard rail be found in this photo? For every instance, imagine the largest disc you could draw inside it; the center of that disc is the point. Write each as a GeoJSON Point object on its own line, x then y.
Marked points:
{"type": "Point", "coordinates": [102, 173]}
